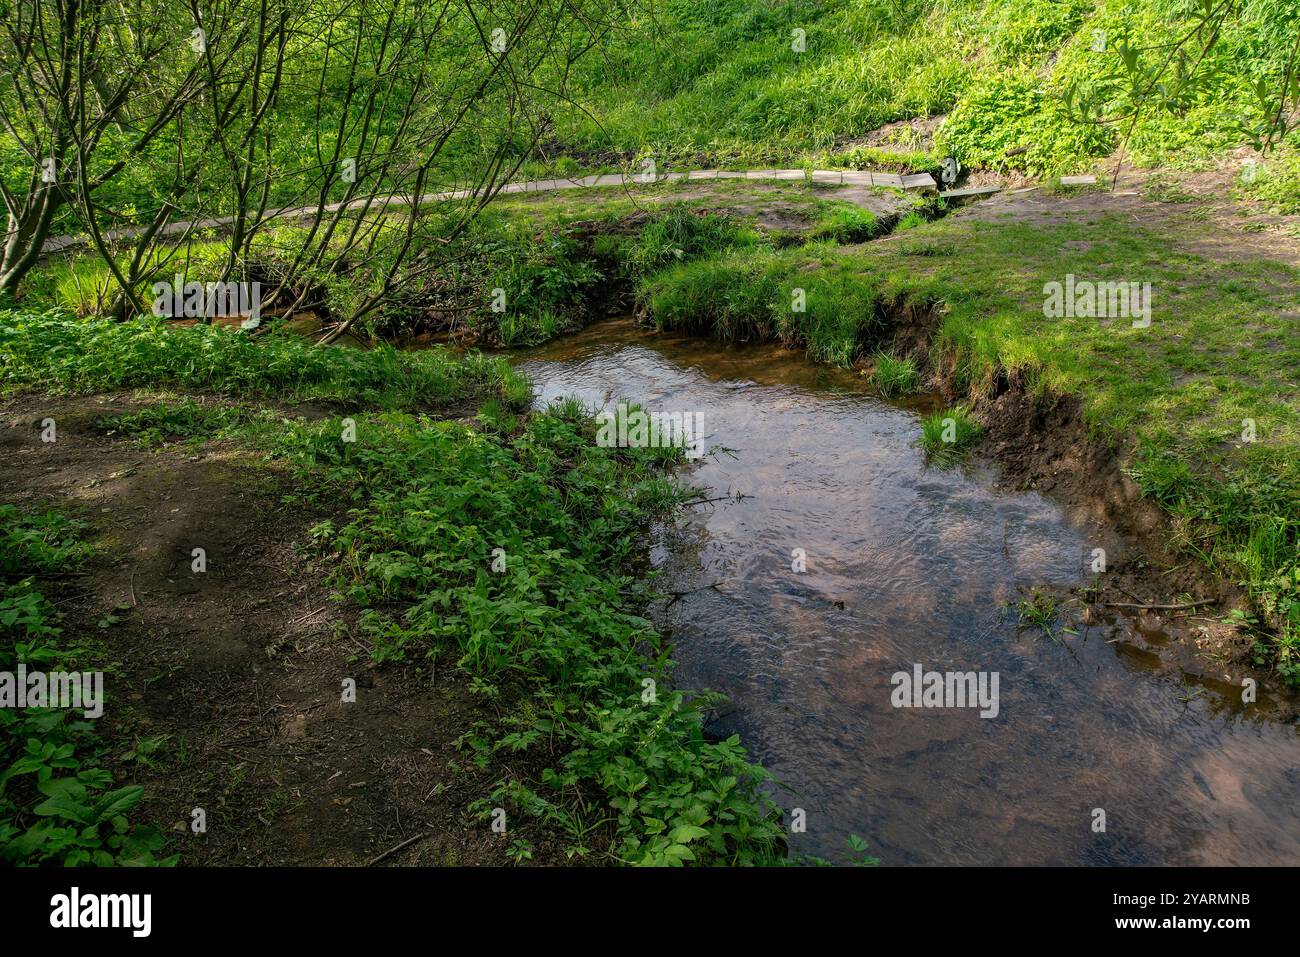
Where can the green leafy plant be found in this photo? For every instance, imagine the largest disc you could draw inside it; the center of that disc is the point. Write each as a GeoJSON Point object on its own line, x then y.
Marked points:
{"type": "Point", "coordinates": [56, 805]}
{"type": "Point", "coordinates": [1039, 611]}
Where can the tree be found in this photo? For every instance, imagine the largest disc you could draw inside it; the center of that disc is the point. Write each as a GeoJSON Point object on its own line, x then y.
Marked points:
{"type": "Point", "coordinates": [87, 89]}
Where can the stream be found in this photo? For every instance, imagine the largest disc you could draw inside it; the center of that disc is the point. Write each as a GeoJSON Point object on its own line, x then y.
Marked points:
{"type": "Point", "coordinates": [908, 564]}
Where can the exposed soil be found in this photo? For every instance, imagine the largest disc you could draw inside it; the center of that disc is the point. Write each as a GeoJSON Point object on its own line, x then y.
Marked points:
{"type": "Point", "coordinates": [241, 667]}
{"type": "Point", "coordinates": [1044, 445]}
{"type": "Point", "coordinates": [915, 134]}
{"type": "Point", "coordinates": [1223, 227]}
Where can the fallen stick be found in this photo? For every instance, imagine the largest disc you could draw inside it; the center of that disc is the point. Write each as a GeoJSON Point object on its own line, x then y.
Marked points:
{"type": "Point", "coordinates": [1179, 607]}
{"type": "Point", "coordinates": [678, 595]}
{"type": "Point", "coordinates": [397, 847]}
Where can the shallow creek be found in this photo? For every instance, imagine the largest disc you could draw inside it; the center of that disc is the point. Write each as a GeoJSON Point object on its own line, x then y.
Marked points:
{"type": "Point", "coordinates": [908, 564]}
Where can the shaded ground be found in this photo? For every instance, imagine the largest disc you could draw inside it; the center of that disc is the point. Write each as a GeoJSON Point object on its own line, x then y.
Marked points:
{"type": "Point", "coordinates": [240, 669]}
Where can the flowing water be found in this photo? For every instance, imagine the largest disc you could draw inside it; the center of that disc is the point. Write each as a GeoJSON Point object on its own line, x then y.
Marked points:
{"type": "Point", "coordinates": [906, 565]}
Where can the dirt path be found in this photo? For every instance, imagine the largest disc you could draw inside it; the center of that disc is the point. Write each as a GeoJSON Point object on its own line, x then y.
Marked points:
{"type": "Point", "coordinates": [240, 668]}
{"type": "Point", "coordinates": [859, 183]}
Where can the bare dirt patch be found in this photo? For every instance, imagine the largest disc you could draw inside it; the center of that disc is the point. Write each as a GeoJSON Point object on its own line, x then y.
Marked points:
{"type": "Point", "coordinates": [915, 134]}
{"type": "Point", "coordinates": [1201, 207]}
{"type": "Point", "coordinates": [238, 671]}
{"type": "Point", "coordinates": [1043, 444]}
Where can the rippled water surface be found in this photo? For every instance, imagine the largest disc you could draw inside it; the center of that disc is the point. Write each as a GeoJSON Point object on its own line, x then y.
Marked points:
{"type": "Point", "coordinates": [909, 564]}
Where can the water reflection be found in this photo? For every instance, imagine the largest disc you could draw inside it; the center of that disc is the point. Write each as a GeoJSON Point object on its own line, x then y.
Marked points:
{"type": "Point", "coordinates": [908, 564]}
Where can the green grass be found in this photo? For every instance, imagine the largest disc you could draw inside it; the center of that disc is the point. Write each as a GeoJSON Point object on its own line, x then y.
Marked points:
{"type": "Point", "coordinates": [1039, 611]}
{"type": "Point", "coordinates": [895, 376]}
{"type": "Point", "coordinates": [56, 352]}
{"type": "Point", "coordinates": [946, 435]}
{"type": "Point", "coordinates": [722, 85]}
{"type": "Point", "coordinates": [680, 232]}
{"type": "Point", "coordinates": [802, 297]}
{"type": "Point", "coordinates": [1276, 182]}
{"type": "Point", "coordinates": [847, 224]}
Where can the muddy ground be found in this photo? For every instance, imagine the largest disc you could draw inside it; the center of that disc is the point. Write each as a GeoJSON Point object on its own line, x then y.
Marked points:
{"type": "Point", "coordinates": [240, 669]}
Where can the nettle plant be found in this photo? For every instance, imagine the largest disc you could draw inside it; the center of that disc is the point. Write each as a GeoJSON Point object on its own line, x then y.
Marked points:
{"type": "Point", "coordinates": [56, 805]}
{"type": "Point", "coordinates": [434, 507]}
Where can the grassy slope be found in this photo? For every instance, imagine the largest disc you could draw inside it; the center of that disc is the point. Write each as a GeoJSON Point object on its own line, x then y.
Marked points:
{"type": "Point", "coordinates": [719, 77]}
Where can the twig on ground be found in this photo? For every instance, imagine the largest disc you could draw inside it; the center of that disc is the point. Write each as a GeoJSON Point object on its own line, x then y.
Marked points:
{"type": "Point", "coordinates": [395, 848]}
{"type": "Point", "coordinates": [1177, 607]}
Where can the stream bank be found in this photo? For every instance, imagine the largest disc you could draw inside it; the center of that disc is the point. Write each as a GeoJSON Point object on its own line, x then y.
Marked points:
{"type": "Point", "coordinates": [907, 564]}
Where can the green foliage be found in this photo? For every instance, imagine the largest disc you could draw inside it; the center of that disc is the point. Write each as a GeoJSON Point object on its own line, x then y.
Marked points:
{"type": "Point", "coordinates": [894, 375]}
{"type": "Point", "coordinates": [1026, 30]}
{"type": "Point", "coordinates": [909, 220]}
{"type": "Point", "coordinates": [876, 158]}
{"type": "Point", "coordinates": [56, 805]}
{"type": "Point", "coordinates": [429, 503]}
{"type": "Point", "coordinates": [57, 352]}
{"type": "Point", "coordinates": [37, 544]}
{"type": "Point", "coordinates": [1255, 524]}
{"type": "Point", "coordinates": [82, 285]}
{"type": "Point", "coordinates": [1174, 80]}
{"type": "Point", "coordinates": [729, 297]}
{"type": "Point", "coordinates": [847, 224]}
{"type": "Point", "coordinates": [1039, 611]}
{"type": "Point", "coordinates": [161, 422]}
{"type": "Point", "coordinates": [858, 855]}
{"type": "Point", "coordinates": [1276, 183]}
{"type": "Point", "coordinates": [1015, 111]}
{"type": "Point", "coordinates": [946, 435]}
{"type": "Point", "coordinates": [544, 277]}
{"type": "Point", "coordinates": [717, 82]}
{"type": "Point", "coordinates": [769, 295]}
{"type": "Point", "coordinates": [678, 233]}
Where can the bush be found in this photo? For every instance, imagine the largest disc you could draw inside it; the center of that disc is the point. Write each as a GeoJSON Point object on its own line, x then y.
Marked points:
{"type": "Point", "coordinates": [1004, 112]}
